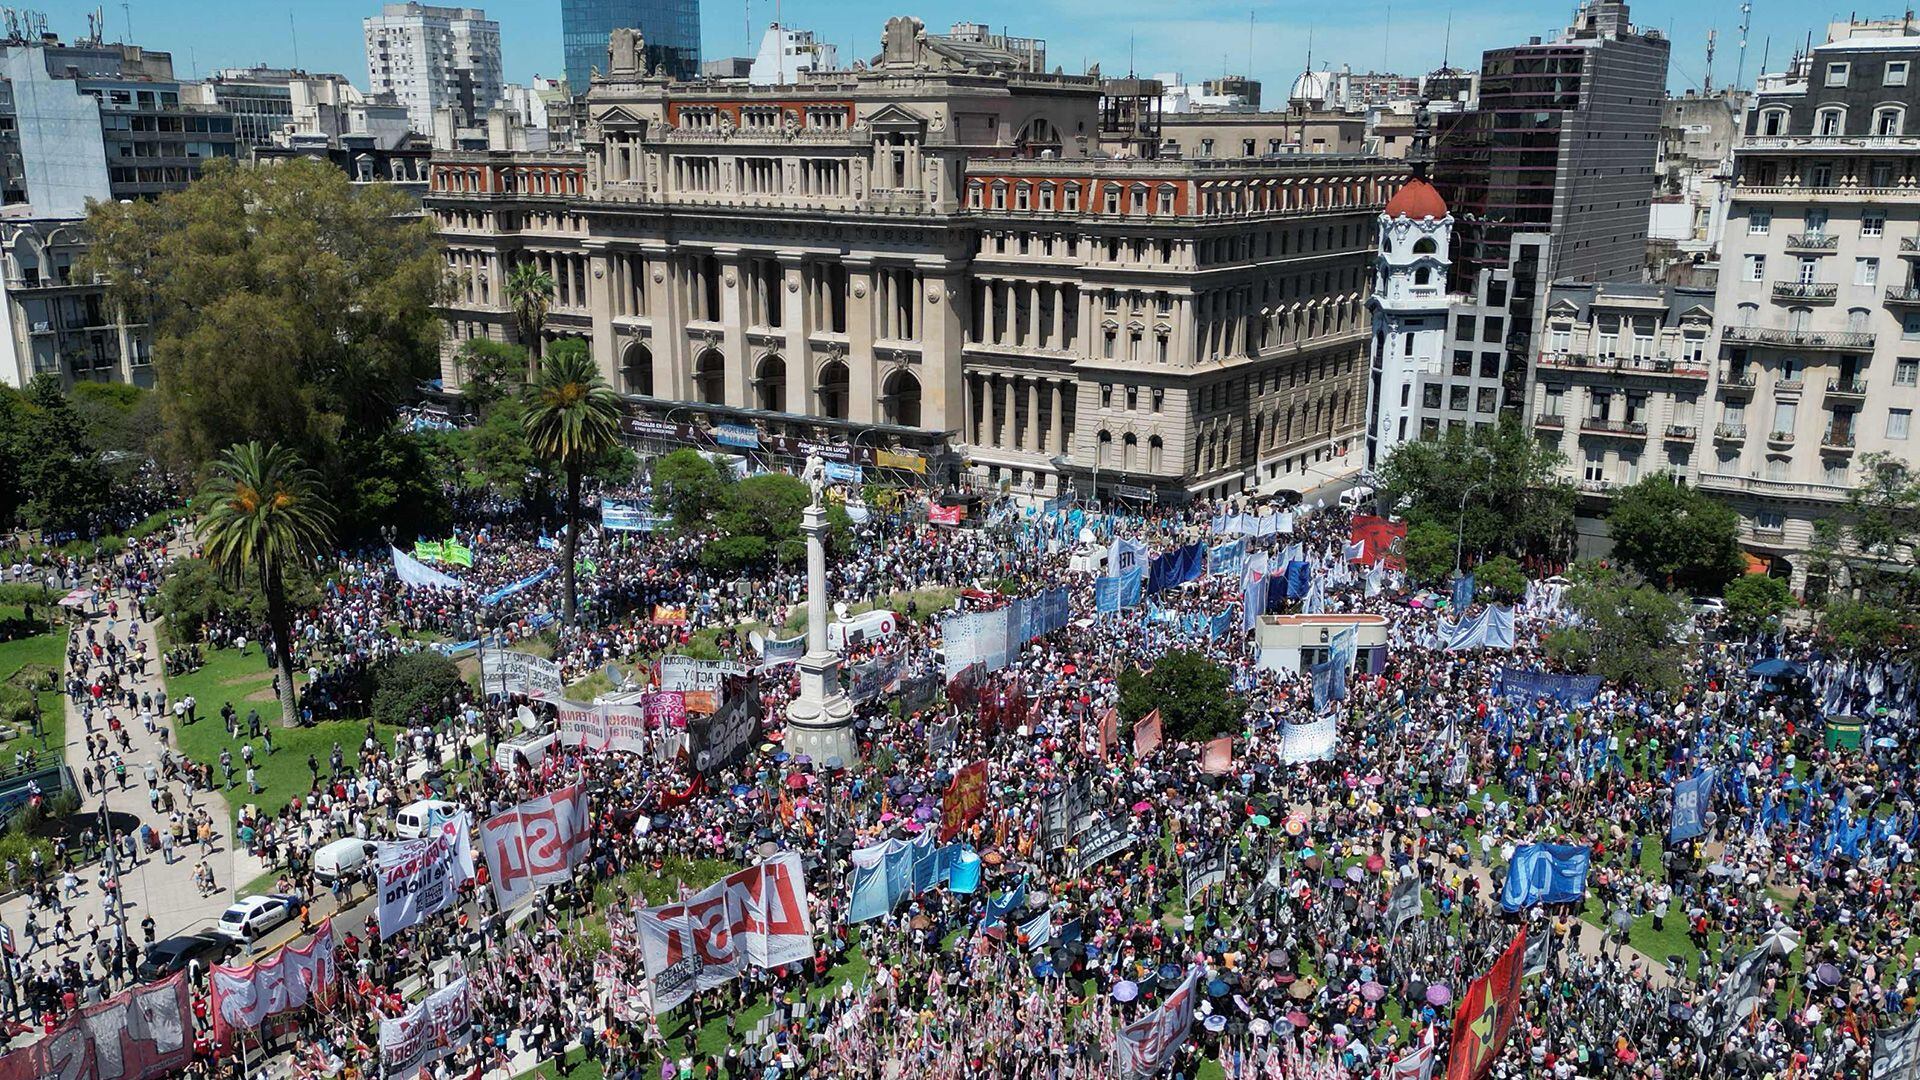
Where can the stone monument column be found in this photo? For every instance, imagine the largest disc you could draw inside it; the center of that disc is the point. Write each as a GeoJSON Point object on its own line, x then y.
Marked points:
{"type": "Point", "coordinates": [820, 720]}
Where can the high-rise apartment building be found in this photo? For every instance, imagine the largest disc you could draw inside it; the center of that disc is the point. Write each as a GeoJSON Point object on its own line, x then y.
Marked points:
{"type": "Point", "coordinates": [671, 29]}
{"type": "Point", "coordinates": [924, 266]}
{"type": "Point", "coordinates": [434, 58]}
{"type": "Point", "coordinates": [1819, 300]}
{"type": "Point", "coordinates": [1562, 141]}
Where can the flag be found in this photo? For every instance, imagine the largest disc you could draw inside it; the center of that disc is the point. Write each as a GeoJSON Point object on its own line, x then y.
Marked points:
{"type": "Point", "coordinates": [1217, 758]}
{"type": "Point", "coordinates": [1462, 592]}
{"type": "Point", "coordinates": [1486, 1014]}
{"type": "Point", "coordinates": [457, 553]}
{"type": "Point", "coordinates": [1146, 734]}
{"type": "Point", "coordinates": [428, 551]}
{"type": "Point", "coordinates": [1690, 799]}
{"type": "Point", "coordinates": [1417, 1064]}
{"type": "Point", "coordinates": [1109, 731]}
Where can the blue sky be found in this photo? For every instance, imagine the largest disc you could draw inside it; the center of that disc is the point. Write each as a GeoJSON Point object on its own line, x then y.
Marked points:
{"type": "Point", "coordinates": [1199, 38]}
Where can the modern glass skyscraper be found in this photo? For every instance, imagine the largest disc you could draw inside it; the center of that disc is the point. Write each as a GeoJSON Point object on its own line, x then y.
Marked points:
{"type": "Point", "coordinates": [672, 29]}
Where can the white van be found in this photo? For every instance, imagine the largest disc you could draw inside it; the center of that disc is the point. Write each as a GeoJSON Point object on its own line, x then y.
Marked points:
{"type": "Point", "coordinates": [531, 749]}
{"type": "Point", "coordinates": [416, 818]}
{"type": "Point", "coordinates": [342, 858]}
{"type": "Point", "coordinates": [1354, 497]}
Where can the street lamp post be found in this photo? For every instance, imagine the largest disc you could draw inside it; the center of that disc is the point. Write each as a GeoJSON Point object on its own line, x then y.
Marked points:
{"type": "Point", "coordinates": [1460, 528]}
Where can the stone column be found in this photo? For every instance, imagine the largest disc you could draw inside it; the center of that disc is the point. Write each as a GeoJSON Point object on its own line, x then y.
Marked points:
{"type": "Point", "coordinates": [863, 389]}
{"type": "Point", "coordinates": [820, 719]}
{"type": "Point", "coordinates": [1033, 416]}
{"type": "Point", "coordinates": [667, 319]}
{"type": "Point", "coordinates": [733, 322]}
{"type": "Point", "coordinates": [600, 282]}
{"type": "Point", "coordinates": [1062, 435]}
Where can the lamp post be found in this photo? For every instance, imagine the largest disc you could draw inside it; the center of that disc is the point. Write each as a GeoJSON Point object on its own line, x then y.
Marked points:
{"type": "Point", "coordinates": [1459, 528]}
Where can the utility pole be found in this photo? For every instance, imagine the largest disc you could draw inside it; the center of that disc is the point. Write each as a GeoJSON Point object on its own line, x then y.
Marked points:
{"type": "Point", "coordinates": [1746, 23]}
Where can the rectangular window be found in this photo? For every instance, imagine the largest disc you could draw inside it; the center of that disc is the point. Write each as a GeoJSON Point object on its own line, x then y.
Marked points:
{"type": "Point", "coordinates": [1906, 372]}
{"type": "Point", "coordinates": [1784, 414]}
{"type": "Point", "coordinates": [1837, 74]}
{"type": "Point", "coordinates": [1484, 399]}
{"type": "Point", "coordinates": [1809, 269]}
{"type": "Point", "coordinates": [1759, 221]}
{"type": "Point", "coordinates": [1894, 74]}
{"type": "Point", "coordinates": [1756, 268]}
{"type": "Point", "coordinates": [1873, 224]}
{"type": "Point", "coordinates": [1866, 271]}
{"type": "Point", "coordinates": [1899, 422]}
{"type": "Point", "coordinates": [1463, 327]}
{"type": "Point", "coordinates": [1457, 398]}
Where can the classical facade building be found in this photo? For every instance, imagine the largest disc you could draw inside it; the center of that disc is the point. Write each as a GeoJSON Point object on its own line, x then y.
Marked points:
{"type": "Point", "coordinates": [59, 321]}
{"type": "Point", "coordinates": [1818, 300]}
{"type": "Point", "coordinates": [926, 257]}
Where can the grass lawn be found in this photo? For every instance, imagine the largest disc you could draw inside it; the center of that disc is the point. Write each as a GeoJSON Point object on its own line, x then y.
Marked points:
{"type": "Point", "coordinates": [47, 650]}
{"type": "Point", "coordinates": [248, 684]}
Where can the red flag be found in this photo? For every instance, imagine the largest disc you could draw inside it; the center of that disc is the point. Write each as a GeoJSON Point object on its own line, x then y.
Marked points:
{"type": "Point", "coordinates": [1146, 734]}
{"type": "Point", "coordinates": [1486, 1014]}
{"type": "Point", "coordinates": [1382, 540]}
{"type": "Point", "coordinates": [1109, 731]}
{"type": "Point", "coordinates": [965, 800]}
{"type": "Point", "coordinates": [1217, 758]}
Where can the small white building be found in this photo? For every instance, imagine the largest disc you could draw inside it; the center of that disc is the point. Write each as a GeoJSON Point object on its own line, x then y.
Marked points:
{"type": "Point", "coordinates": [1294, 643]}
{"type": "Point", "coordinates": [785, 52]}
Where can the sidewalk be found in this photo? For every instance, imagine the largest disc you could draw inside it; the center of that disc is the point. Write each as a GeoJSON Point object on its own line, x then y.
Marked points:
{"type": "Point", "coordinates": [151, 886]}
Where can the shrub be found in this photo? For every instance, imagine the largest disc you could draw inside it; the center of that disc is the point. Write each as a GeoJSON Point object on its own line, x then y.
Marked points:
{"type": "Point", "coordinates": [407, 688]}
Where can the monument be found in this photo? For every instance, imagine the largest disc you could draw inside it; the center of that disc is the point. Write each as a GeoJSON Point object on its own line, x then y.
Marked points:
{"type": "Point", "coordinates": [820, 720]}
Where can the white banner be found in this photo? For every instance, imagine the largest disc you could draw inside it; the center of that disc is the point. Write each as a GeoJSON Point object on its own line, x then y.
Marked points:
{"type": "Point", "coordinates": [757, 915]}
{"type": "Point", "coordinates": [628, 729]}
{"type": "Point", "coordinates": [1312, 741]}
{"type": "Point", "coordinates": [429, 1031]}
{"type": "Point", "coordinates": [686, 673]}
{"type": "Point", "coordinates": [419, 878]}
{"type": "Point", "coordinates": [1146, 1046]}
{"type": "Point", "coordinates": [244, 995]}
{"type": "Point", "coordinates": [535, 843]}
{"type": "Point", "coordinates": [504, 671]}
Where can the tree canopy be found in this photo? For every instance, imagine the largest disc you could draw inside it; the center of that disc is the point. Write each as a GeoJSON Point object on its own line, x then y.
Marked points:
{"type": "Point", "coordinates": [1194, 695]}
{"type": "Point", "coordinates": [1504, 478]}
{"type": "Point", "coordinates": [1627, 630]}
{"type": "Point", "coordinates": [1676, 535]}
{"type": "Point", "coordinates": [1866, 554]}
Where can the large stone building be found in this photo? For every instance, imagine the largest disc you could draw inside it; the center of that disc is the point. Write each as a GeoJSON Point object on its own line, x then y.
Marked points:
{"type": "Point", "coordinates": [1818, 302]}
{"type": "Point", "coordinates": [926, 256]}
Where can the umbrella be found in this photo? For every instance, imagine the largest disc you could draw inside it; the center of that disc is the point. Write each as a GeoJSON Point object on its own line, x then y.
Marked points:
{"type": "Point", "coordinates": [1259, 1028]}
{"type": "Point", "coordinates": [1375, 864]}
{"type": "Point", "coordinates": [1372, 991]}
{"type": "Point", "coordinates": [1277, 959]}
{"type": "Point", "coordinates": [797, 781]}
{"type": "Point", "coordinates": [1216, 1023]}
{"type": "Point", "coordinates": [1827, 974]}
{"type": "Point", "coordinates": [1262, 820]}
{"type": "Point", "coordinates": [1782, 939]}
{"type": "Point", "coordinates": [1297, 1018]}
{"type": "Point", "coordinates": [1439, 994]}
{"type": "Point", "coordinates": [781, 757]}
{"type": "Point", "coordinates": [1142, 806]}
{"type": "Point", "coordinates": [1375, 780]}
{"type": "Point", "coordinates": [1125, 990]}
{"type": "Point", "coordinates": [1886, 742]}
{"type": "Point", "coordinates": [1777, 666]}
{"type": "Point", "coordinates": [1037, 899]}
{"type": "Point", "coordinates": [741, 789]}
{"type": "Point", "coordinates": [1296, 824]}
{"type": "Point", "coordinates": [1044, 969]}
{"type": "Point", "coordinates": [802, 759]}
{"type": "Point", "coordinates": [1216, 988]}
{"type": "Point", "coordinates": [1355, 874]}
{"type": "Point", "coordinates": [766, 748]}
{"type": "Point", "coordinates": [1170, 972]}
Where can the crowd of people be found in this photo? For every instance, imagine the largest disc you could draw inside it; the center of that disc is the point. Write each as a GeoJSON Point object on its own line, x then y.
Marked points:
{"type": "Point", "coordinates": [1438, 775]}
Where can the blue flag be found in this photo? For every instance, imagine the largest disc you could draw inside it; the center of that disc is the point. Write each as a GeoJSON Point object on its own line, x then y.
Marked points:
{"type": "Point", "coordinates": [1546, 874]}
{"type": "Point", "coordinates": [1690, 799]}
{"type": "Point", "coordinates": [1462, 593]}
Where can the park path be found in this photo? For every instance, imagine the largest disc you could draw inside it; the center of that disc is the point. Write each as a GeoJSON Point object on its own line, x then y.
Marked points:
{"type": "Point", "coordinates": [151, 886]}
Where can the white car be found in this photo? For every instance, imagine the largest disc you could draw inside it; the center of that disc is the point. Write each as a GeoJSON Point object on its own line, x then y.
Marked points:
{"type": "Point", "coordinates": [251, 917]}
{"type": "Point", "coordinates": [1709, 605]}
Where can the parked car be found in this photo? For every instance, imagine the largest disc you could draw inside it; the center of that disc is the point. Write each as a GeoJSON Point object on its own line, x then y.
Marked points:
{"type": "Point", "coordinates": [342, 859]}
{"type": "Point", "coordinates": [251, 917]}
{"type": "Point", "coordinates": [1709, 605]}
{"type": "Point", "coordinates": [175, 953]}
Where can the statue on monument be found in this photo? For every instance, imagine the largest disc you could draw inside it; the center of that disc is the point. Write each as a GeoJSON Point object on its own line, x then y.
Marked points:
{"type": "Point", "coordinates": [815, 474]}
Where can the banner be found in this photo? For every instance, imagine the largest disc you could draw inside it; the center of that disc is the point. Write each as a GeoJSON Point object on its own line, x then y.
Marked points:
{"type": "Point", "coordinates": [1729, 1006]}
{"type": "Point", "coordinates": [412, 571]}
{"type": "Point", "coordinates": [419, 878]}
{"type": "Point", "coordinates": [506, 671]}
{"type": "Point", "coordinates": [1486, 1014]}
{"type": "Point", "coordinates": [1690, 799]}
{"type": "Point", "coordinates": [872, 679]}
{"type": "Point", "coordinates": [718, 741]}
{"type": "Point", "coordinates": [745, 436]}
{"type": "Point", "coordinates": [457, 553]}
{"type": "Point", "coordinates": [431, 1030]}
{"type": "Point", "coordinates": [1492, 629]}
{"type": "Point", "coordinates": [429, 551]}
{"type": "Point", "coordinates": [1144, 1047]}
{"type": "Point", "coordinates": [777, 651]}
{"type": "Point", "coordinates": [1311, 741]}
{"type": "Point", "coordinates": [1519, 685]}
{"type": "Point", "coordinates": [946, 515]}
{"type": "Point", "coordinates": [536, 843]}
{"type": "Point", "coordinates": [138, 1034]}
{"type": "Point", "coordinates": [1119, 591]}
{"type": "Point", "coordinates": [686, 673]}
{"type": "Point", "coordinates": [245, 995]}
{"type": "Point", "coordinates": [1462, 592]}
{"type": "Point", "coordinates": [1228, 560]}
{"type": "Point", "coordinates": [1206, 873]}
{"type": "Point", "coordinates": [1405, 903]}
{"type": "Point", "coordinates": [1896, 1052]}
{"type": "Point", "coordinates": [522, 585]}
{"type": "Point", "coordinates": [1546, 874]}
{"type": "Point", "coordinates": [1177, 567]}
{"type": "Point", "coordinates": [964, 801]}
{"type": "Point", "coordinates": [1216, 758]}
{"type": "Point", "coordinates": [757, 916]}
{"type": "Point", "coordinates": [1124, 555]}
{"type": "Point", "coordinates": [1380, 540]}
{"type": "Point", "coordinates": [1104, 838]}
{"type": "Point", "coordinates": [1146, 734]}
{"type": "Point", "coordinates": [978, 637]}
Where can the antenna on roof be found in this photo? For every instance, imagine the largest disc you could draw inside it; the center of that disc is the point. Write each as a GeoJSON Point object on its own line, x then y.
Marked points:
{"type": "Point", "coordinates": [1706, 85]}
{"type": "Point", "coordinates": [1746, 21]}
{"type": "Point", "coordinates": [1446, 45]}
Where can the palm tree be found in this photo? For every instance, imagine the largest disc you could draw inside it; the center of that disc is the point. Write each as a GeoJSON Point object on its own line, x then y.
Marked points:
{"type": "Point", "coordinates": [572, 418]}
{"type": "Point", "coordinates": [530, 291]}
{"type": "Point", "coordinates": [262, 512]}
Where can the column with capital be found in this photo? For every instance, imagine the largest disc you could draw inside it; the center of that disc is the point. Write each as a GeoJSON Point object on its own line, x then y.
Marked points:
{"type": "Point", "coordinates": [820, 718]}
{"type": "Point", "coordinates": [863, 390]}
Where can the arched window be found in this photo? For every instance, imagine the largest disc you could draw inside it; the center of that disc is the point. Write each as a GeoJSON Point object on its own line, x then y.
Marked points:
{"type": "Point", "coordinates": [1889, 119]}
{"type": "Point", "coordinates": [1154, 450]}
{"type": "Point", "coordinates": [1129, 446]}
{"type": "Point", "coordinates": [901, 399]}
{"type": "Point", "coordinates": [1423, 276]}
{"type": "Point", "coordinates": [1425, 246]}
{"type": "Point", "coordinates": [770, 384]}
{"type": "Point", "coordinates": [1104, 454]}
{"type": "Point", "coordinates": [710, 378]}
{"type": "Point", "coordinates": [1830, 120]}
{"type": "Point", "coordinates": [833, 390]}
{"type": "Point", "coordinates": [636, 370]}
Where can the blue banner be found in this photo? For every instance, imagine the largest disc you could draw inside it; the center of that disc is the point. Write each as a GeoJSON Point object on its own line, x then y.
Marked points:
{"type": "Point", "coordinates": [1230, 558]}
{"type": "Point", "coordinates": [1462, 593]}
{"type": "Point", "coordinates": [1117, 592]}
{"type": "Point", "coordinates": [1299, 579]}
{"type": "Point", "coordinates": [841, 473]}
{"type": "Point", "coordinates": [1341, 652]}
{"type": "Point", "coordinates": [523, 584]}
{"type": "Point", "coordinates": [1546, 874]}
{"type": "Point", "coordinates": [1491, 629]}
{"type": "Point", "coordinates": [1516, 684]}
{"type": "Point", "coordinates": [965, 877]}
{"type": "Point", "coordinates": [742, 435]}
{"type": "Point", "coordinates": [1690, 799]}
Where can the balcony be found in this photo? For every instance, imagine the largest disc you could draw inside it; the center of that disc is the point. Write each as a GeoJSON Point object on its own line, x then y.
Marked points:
{"type": "Point", "coordinates": [1837, 437]}
{"type": "Point", "coordinates": [1596, 487]}
{"type": "Point", "coordinates": [1805, 193]}
{"type": "Point", "coordinates": [1806, 292]}
{"type": "Point", "coordinates": [1831, 340]}
{"type": "Point", "coordinates": [1661, 366]}
{"type": "Point", "coordinates": [1682, 433]}
{"type": "Point", "coordinates": [1738, 380]}
{"type": "Point", "coordinates": [1779, 440]}
{"type": "Point", "coordinates": [1909, 247]}
{"type": "Point", "coordinates": [1599, 425]}
{"type": "Point", "coordinates": [1738, 484]}
{"type": "Point", "coordinates": [1855, 388]}
{"type": "Point", "coordinates": [1812, 242]}
{"type": "Point", "coordinates": [1730, 433]}
{"type": "Point", "coordinates": [1903, 294]}
{"type": "Point", "coordinates": [1549, 420]}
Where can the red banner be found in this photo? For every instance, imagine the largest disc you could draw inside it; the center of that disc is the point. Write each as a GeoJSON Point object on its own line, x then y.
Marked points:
{"type": "Point", "coordinates": [1380, 539]}
{"type": "Point", "coordinates": [965, 800]}
{"type": "Point", "coordinates": [1109, 732]}
{"type": "Point", "coordinates": [1486, 1014]}
{"type": "Point", "coordinates": [1146, 734]}
{"type": "Point", "coordinates": [137, 1034]}
{"type": "Point", "coordinates": [946, 515]}
{"type": "Point", "coordinates": [1217, 758]}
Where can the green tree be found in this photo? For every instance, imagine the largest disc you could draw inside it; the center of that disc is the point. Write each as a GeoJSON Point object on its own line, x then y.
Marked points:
{"type": "Point", "coordinates": [1756, 602]}
{"type": "Point", "coordinates": [1496, 485]}
{"type": "Point", "coordinates": [490, 371]}
{"type": "Point", "coordinates": [1627, 632]}
{"type": "Point", "coordinates": [1861, 627]}
{"type": "Point", "coordinates": [1428, 550]}
{"type": "Point", "coordinates": [688, 488]}
{"type": "Point", "coordinates": [1864, 556]}
{"type": "Point", "coordinates": [262, 511]}
{"type": "Point", "coordinates": [760, 521]}
{"type": "Point", "coordinates": [1500, 579]}
{"type": "Point", "coordinates": [409, 688]}
{"type": "Point", "coordinates": [387, 481]}
{"type": "Point", "coordinates": [286, 303]}
{"type": "Point", "coordinates": [530, 294]}
{"type": "Point", "coordinates": [13, 422]}
{"type": "Point", "coordinates": [572, 419]}
{"type": "Point", "coordinates": [1194, 695]}
{"type": "Point", "coordinates": [1676, 535]}
{"type": "Point", "coordinates": [65, 485]}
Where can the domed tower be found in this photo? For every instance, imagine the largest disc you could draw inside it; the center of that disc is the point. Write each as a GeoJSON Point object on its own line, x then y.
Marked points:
{"type": "Point", "coordinates": [1409, 303]}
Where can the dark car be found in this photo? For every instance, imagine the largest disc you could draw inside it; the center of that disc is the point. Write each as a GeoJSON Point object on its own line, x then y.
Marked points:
{"type": "Point", "coordinates": [175, 953]}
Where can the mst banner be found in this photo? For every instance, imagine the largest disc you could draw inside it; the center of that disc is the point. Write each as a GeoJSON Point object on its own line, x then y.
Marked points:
{"type": "Point", "coordinates": [245, 995]}
{"type": "Point", "coordinates": [429, 1031]}
{"type": "Point", "coordinates": [535, 843]}
{"type": "Point", "coordinates": [422, 877]}
{"type": "Point", "coordinates": [755, 916]}
{"type": "Point", "coordinates": [137, 1034]}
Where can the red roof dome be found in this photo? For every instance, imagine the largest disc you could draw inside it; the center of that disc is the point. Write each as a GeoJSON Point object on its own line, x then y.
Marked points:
{"type": "Point", "coordinates": [1417, 199]}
